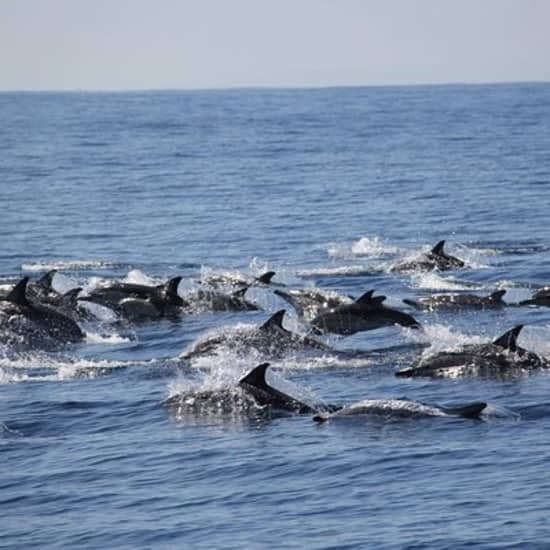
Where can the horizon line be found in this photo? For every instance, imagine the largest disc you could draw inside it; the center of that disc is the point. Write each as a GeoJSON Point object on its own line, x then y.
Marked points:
{"type": "Point", "coordinates": [270, 87]}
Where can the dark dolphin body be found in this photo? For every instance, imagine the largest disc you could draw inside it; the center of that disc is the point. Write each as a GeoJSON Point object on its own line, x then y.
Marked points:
{"type": "Point", "coordinates": [271, 339]}
{"type": "Point", "coordinates": [366, 313]}
{"type": "Point", "coordinates": [34, 323]}
{"type": "Point", "coordinates": [540, 298]}
{"type": "Point", "coordinates": [139, 302]}
{"type": "Point", "coordinates": [253, 396]}
{"type": "Point", "coordinates": [309, 302]}
{"type": "Point", "coordinates": [499, 358]}
{"type": "Point", "coordinates": [215, 300]}
{"type": "Point", "coordinates": [437, 258]}
{"type": "Point", "coordinates": [459, 301]}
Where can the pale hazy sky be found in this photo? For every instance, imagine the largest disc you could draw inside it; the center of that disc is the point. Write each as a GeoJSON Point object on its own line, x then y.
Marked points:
{"type": "Point", "coordinates": [152, 44]}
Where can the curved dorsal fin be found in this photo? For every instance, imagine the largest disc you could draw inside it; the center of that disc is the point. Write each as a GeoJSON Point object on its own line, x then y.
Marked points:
{"type": "Point", "coordinates": [17, 294]}
{"type": "Point", "coordinates": [508, 339]}
{"type": "Point", "coordinates": [497, 295]}
{"type": "Point", "coordinates": [256, 377]}
{"type": "Point", "coordinates": [368, 298]}
{"type": "Point", "coordinates": [438, 248]}
{"type": "Point", "coordinates": [240, 293]}
{"type": "Point", "coordinates": [276, 320]}
{"type": "Point", "coordinates": [266, 277]}
{"type": "Point", "coordinates": [70, 297]}
{"type": "Point", "coordinates": [47, 278]}
{"type": "Point", "coordinates": [171, 286]}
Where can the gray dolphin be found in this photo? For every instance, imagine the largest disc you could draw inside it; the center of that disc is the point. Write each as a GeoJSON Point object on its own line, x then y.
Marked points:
{"type": "Point", "coordinates": [35, 319]}
{"type": "Point", "coordinates": [366, 313]}
{"type": "Point", "coordinates": [459, 301]}
{"type": "Point", "coordinates": [437, 258]}
{"type": "Point", "coordinates": [402, 408]}
{"type": "Point", "coordinates": [164, 298]}
{"type": "Point", "coordinates": [499, 358]}
{"type": "Point", "coordinates": [217, 280]}
{"type": "Point", "coordinates": [253, 395]}
{"type": "Point", "coordinates": [309, 302]}
{"type": "Point", "coordinates": [270, 339]}
{"type": "Point", "coordinates": [539, 298]}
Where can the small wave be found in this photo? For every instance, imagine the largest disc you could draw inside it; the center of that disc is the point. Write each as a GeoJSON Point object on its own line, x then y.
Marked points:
{"type": "Point", "coordinates": [136, 276]}
{"type": "Point", "coordinates": [69, 265]}
{"type": "Point", "coordinates": [441, 338]}
{"type": "Point", "coordinates": [372, 247]}
{"type": "Point", "coordinates": [433, 281]}
{"type": "Point", "coordinates": [114, 338]}
{"type": "Point", "coordinates": [343, 271]}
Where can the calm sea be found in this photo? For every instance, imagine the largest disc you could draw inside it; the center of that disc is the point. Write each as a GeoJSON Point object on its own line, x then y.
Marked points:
{"type": "Point", "coordinates": [327, 188]}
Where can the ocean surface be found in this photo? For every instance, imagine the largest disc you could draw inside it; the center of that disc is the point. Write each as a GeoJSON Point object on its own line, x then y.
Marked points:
{"type": "Point", "coordinates": [328, 188]}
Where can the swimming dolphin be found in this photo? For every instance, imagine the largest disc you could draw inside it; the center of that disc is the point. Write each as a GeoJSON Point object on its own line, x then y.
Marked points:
{"type": "Point", "coordinates": [402, 408]}
{"type": "Point", "coordinates": [366, 313]}
{"type": "Point", "coordinates": [309, 302]}
{"type": "Point", "coordinates": [498, 358]}
{"type": "Point", "coordinates": [459, 301]}
{"type": "Point", "coordinates": [540, 298]}
{"type": "Point", "coordinates": [271, 339]}
{"type": "Point", "coordinates": [253, 396]}
{"type": "Point", "coordinates": [33, 320]}
{"type": "Point", "coordinates": [437, 258]}
{"type": "Point", "coordinates": [164, 298]}
{"type": "Point", "coordinates": [217, 280]}
{"type": "Point", "coordinates": [215, 300]}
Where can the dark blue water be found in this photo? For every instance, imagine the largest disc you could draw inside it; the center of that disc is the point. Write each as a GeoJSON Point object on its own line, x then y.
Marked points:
{"type": "Point", "coordinates": [327, 188]}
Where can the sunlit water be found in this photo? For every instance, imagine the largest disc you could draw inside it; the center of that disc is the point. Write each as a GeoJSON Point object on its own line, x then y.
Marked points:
{"type": "Point", "coordinates": [327, 188]}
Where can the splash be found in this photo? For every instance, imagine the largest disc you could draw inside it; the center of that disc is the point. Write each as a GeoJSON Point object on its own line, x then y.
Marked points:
{"type": "Point", "coordinates": [433, 281]}
{"type": "Point", "coordinates": [441, 338]}
{"type": "Point", "coordinates": [69, 265]}
{"type": "Point", "coordinates": [371, 247]}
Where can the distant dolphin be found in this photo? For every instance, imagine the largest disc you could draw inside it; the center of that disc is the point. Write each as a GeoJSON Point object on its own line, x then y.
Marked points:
{"type": "Point", "coordinates": [499, 358]}
{"type": "Point", "coordinates": [459, 301]}
{"type": "Point", "coordinates": [402, 408]}
{"type": "Point", "coordinates": [254, 396]}
{"type": "Point", "coordinates": [540, 298]}
{"type": "Point", "coordinates": [215, 300]}
{"type": "Point", "coordinates": [270, 339]}
{"type": "Point", "coordinates": [437, 258]}
{"type": "Point", "coordinates": [309, 302]}
{"type": "Point", "coordinates": [366, 313]}
{"type": "Point", "coordinates": [34, 320]}
{"type": "Point", "coordinates": [217, 280]}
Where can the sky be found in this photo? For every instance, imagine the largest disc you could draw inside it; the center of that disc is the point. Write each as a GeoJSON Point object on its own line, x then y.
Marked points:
{"type": "Point", "coordinates": [195, 44]}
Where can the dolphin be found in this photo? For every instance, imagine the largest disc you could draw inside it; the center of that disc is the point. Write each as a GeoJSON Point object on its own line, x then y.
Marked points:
{"type": "Point", "coordinates": [437, 258]}
{"type": "Point", "coordinates": [218, 280]}
{"type": "Point", "coordinates": [402, 408]}
{"type": "Point", "coordinates": [309, 302]}
{"type": "Point", "coordinates": [366, 313]}
{"type": "Point", "coordinates": [253, 395]}
{"type": "Point", "coordinates": [163, 297]}
{"type": "Point", "coordinates": [271, 338]}
{"type": "Point", "coordinates": [214, 300]}
{"type": "Point", "coordinates": [498, 358]}
{"type": "Point", "coordinates": [459, 301]}
{"type": "Point", "coordinates": [540, 298]}
{"type": "Point", "coordinates": [20, 313]}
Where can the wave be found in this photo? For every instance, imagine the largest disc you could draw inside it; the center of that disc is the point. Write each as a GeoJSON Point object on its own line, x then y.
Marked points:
{"type": "Point", "coordinates": [70, 265]}
{"type": "Point", "coordinates": [434, 281]}
{"type": "Point", "coordinates": [371, 247]}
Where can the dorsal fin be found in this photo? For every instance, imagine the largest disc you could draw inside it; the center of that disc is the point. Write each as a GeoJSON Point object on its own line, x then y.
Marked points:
{"type": "Point", "coordinates": [17, 294]}
{"type": "Point", "coordinates": [497, 295]}
{"type": "Point", "coordinates": [365, 298]}
{"type": "Point", "coordinates": [266, 277]}
{"type": "Point", "coordinates": [438, 248]}
{"type": "Point", "coordinates": [256, 377]}
{"type": "Point", "coordinates": [240, 293]}
{"type": "Point", "coordinates": [508, 339]}
{"type": "Point", "coordinates": [171, 286]}
{"type": "Point", "coordinates": [47, 278]}
{"type": "Point", "coordinates": [70, 297]}
{"type": "Point", "coordinates": [276, 320]}
{"type": "Point", "coordinates": [368, 298]}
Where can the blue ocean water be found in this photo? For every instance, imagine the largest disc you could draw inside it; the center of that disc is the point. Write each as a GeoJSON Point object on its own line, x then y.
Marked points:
{"type": "Point", "coordinates": [326, 187]}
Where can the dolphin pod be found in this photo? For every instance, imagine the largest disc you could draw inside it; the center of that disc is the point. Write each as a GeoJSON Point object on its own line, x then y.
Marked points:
{"type": "Point", "coordinates": [35, 314]}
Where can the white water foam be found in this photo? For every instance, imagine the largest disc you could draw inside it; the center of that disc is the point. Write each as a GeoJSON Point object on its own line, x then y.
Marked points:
{"type": "Point", "coordinates": [441, 338]}
{"type": "Point", "coordinates": [371, 247]}
{"type": "Point", "coordinates": [434, 281]}
{"type": "Point", "coordinates": [71, 265]}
